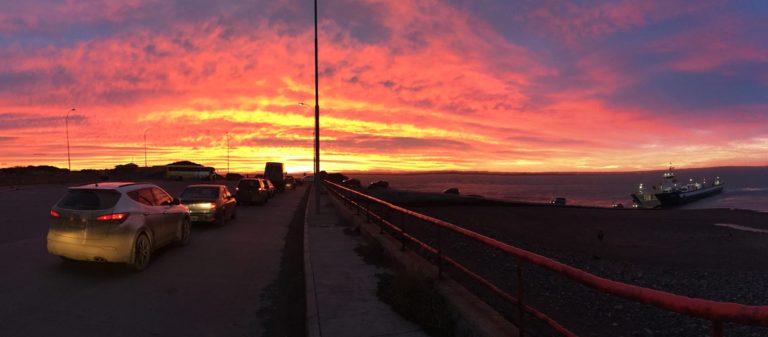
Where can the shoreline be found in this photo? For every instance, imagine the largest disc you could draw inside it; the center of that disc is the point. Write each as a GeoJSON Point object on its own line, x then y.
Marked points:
{"type": "Point", "coordinates": [408, 198]}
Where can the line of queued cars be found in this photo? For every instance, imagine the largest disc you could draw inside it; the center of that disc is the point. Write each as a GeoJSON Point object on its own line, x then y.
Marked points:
{"type": "Point", "coordinates": [125, 222]}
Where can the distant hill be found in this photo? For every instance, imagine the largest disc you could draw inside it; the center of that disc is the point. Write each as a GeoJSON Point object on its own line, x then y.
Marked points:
{"type": "Point", "coordinates": [185, 162]}
{"type": "Point", "coordinates": [32, 169]}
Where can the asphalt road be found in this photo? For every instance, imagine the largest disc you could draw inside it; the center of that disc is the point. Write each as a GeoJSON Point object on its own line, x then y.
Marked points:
{"type": "Point", "coordinates": [213, 287]}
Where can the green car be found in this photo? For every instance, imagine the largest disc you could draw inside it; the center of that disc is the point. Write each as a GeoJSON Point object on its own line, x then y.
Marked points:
{"type": "Point", "coordinates": [209, 203]}
{"type": "Point", "coordinates": [252, 191]}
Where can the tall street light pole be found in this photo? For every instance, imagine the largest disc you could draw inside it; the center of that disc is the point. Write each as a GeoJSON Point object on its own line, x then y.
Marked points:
{"type": "Point", "coordinates": [66, 123]}
{"type": "Point", "coordinates": [227, 152]}
{"type": "Point", "coordinates": [317, 125]}
{"type": "Point", "coordinates": [317, 103]}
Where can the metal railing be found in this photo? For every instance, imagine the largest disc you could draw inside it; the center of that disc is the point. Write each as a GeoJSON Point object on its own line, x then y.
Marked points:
{"type": "Point", "coordinates": [715, 312]}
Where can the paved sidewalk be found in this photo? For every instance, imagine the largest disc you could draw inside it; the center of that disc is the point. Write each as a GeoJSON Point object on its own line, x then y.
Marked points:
{"type": "Point", "coordinates": [341, 287]}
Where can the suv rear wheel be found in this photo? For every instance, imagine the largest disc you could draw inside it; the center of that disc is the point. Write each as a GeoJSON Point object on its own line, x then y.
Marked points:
{"type": "Point", "coordinates": [142, 253]}
{"type": "Point", "coordinates": [185, 232]}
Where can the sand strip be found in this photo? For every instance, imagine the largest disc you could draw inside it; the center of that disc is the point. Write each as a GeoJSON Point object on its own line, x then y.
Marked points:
{"type": "Point", "coordinates": [742, 228]}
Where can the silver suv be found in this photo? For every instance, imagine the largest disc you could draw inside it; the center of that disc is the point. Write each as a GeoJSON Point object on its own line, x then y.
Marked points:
{"type": "Point", "coordinates": [116, 222]}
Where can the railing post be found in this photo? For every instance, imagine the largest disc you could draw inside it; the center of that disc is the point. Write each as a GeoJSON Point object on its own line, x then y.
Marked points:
{"type": "Point", "coordinates": [358, 206]}
{"type": "Point", "coordinates": [368, 211]}
{"type": "Point", "coordinates": [717, 329]}
{"type": "Point", "coordinates": [402, 230]}
{"type": "Point", "coordinates": [439, 252]}
{"type": "Point", "coordinates": [520, 293]}
{"type": "Point", "coordinates": [381, 225]}
{"type": "Point", "coordinates": [387, 218]}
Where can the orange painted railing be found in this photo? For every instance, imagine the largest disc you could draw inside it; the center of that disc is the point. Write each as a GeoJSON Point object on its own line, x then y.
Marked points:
{"type": "Point", "coordinates": [716, 312]}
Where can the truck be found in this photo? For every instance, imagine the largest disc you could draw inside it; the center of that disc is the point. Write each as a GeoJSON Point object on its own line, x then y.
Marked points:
{"type": "Point", "coordinates": [274, 172]}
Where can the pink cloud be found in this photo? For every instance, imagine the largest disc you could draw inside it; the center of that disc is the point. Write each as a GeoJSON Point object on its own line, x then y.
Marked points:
{"type": "Point", "coordinates": [442, 88]}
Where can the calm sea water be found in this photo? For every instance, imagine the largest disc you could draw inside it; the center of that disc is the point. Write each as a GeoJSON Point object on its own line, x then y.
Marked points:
{"type": "Point", "coordinates": [746, 187]}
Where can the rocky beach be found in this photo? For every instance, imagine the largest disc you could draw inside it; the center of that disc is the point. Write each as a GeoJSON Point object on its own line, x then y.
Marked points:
{"type": "Point", "coordinates": [685, 252]}
{"type": "Point", "coordinates": [715, 254]}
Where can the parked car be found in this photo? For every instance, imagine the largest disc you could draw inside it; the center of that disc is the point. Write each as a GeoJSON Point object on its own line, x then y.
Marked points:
{"type": "Point", "coordinates": [352, 183]}
{"type": "Point", "coordinates": [379, 184]}
{"type": "Point", "coordinates": [452, 190]}
{"type": "Point", "coordinates": [233, 176]}
{"type": "Point", "coordinates": [290, 183]}
{"type": "Point", "coordinates": [116, 222]}
{"type": "Point", "coordinates": [558, 201]}
{"type": "Point", "coordinates": [336, 178]}
{"type": "Point", "coordinates": [209, 203]}
{"type": "Point", "coordinates": [270, 188]}
{"type": "Point", "coordinates": [252, 191]}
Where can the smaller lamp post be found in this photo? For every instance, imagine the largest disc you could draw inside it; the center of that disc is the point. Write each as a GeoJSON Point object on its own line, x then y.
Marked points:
{"type": "Point", "coordinates": [66, 124]}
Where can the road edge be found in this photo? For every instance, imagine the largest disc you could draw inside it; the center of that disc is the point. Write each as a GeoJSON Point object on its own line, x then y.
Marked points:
{"type": "Point", "coordinates": [313, 321]}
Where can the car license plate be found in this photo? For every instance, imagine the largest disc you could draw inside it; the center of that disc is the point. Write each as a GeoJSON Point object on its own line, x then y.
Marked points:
{"type": "Point", "coordinates": [195, 218]}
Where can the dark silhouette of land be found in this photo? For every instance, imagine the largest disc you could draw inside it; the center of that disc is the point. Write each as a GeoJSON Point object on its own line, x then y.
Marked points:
{"type": "Point", "coordinates": [46, 174]}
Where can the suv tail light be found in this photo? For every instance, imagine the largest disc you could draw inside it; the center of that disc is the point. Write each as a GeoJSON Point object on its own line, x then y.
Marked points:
{"type": "Point", "coordinates": [120, 217]}
{"type": "Point", "coordinates": [55, 214]}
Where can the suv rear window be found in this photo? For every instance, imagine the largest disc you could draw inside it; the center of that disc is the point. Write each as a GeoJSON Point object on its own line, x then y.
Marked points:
{"type": "Point", "coordinates": [247, 183]}
{"type": "Point", "coordinates": [89, 200]}
{"type": "Point", "coordinates": [200, 193]}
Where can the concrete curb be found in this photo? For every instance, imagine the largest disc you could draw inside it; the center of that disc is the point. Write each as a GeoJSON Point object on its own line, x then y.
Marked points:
{"type": "Point", "coordinates": [476, 318]}
{"type": "Point", "coordinates": [313, 321]}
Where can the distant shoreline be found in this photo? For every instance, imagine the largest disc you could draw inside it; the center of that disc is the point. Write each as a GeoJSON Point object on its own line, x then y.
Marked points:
{"type": "Point", "coordinates": [4, 170]}
{"type": "Point", "coordinates": [542, 173]}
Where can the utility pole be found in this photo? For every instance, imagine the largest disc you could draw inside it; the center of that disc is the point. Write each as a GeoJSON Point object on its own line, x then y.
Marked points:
{"type": "Point", "coordinates": [66, 123]}
{"type": "Point", "coordinates": [317, 181]}
{"type": "Point", "coordinates": [145, 147]}
{"type": "Point", "coordinates": [227, 152]}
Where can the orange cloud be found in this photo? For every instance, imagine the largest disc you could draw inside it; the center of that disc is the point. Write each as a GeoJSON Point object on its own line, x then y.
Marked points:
{"type": "Point", "coordinates": [420, 85]}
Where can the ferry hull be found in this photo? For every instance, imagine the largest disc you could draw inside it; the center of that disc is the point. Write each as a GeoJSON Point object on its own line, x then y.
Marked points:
{"type": "Point", "coordinates": [645, 200]}
{"type": "Point", "coordinates": [679, 198]}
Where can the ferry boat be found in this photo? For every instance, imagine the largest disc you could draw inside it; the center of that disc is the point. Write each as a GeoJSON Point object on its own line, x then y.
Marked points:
{"type": "Point", "coordinates": [671, 193]}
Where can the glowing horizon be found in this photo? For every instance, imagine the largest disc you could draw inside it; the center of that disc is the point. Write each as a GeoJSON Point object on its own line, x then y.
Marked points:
{"type": "Point", "coordinates": [500, 86]}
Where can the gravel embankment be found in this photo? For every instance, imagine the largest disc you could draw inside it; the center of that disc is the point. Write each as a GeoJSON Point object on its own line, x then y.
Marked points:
{"type": "Point", "coordinates": [678, 251]}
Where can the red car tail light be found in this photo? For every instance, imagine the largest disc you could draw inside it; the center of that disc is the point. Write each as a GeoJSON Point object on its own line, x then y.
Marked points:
{"type": "Point", "coordinates": [55, 214]}
{"type": "Point", "coordinates": [113, 217]}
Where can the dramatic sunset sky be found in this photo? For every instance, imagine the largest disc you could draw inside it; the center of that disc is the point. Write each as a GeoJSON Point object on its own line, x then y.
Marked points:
{"type": "Point", "coordinates": [498, 85]}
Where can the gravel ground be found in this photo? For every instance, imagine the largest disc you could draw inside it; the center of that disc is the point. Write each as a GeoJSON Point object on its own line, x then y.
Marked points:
{"type": "Point", "coordinates": [678, 251]}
